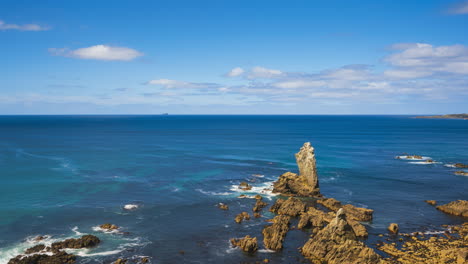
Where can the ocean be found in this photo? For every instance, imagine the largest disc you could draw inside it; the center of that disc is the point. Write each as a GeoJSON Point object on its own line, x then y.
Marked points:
{"type": "Point", "coordinates": [63, 176]}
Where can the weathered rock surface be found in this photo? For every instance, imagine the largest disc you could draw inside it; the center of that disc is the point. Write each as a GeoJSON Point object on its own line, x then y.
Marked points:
{"type": "Point", "coordinates": [435, 250]}
{"type": "Point", "coordinates": [273, 235]}
{"type": "Point", "coordinates": [393, 228]}
{"type": "Point", "coordinates": [337, 243]}
{"type": "Point", "coordinates": [35, 249]}
{"type": "Point", "coordinates": [241, 217]}
{"type": "Point", "coordinates": [353, 212]}
{"type": "Point", "coordinates": [58, 258]}
{"type": "Point", "coordinates": [86, 241]}
{"type": "Point", "coordinates": [306, 183]}
{"type": "Point", "coordinates": [247, 243]}
{"type": "Point", "coordinates": [109, 227]}
{"type": "Point", "coordinates": [259, 204]}
{"type": "Point", "coordinates": [458, 208]}
{"type": "Point", "coordinates": [292, 207]}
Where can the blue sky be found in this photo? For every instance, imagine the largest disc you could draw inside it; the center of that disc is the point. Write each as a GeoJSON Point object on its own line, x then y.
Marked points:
{"type": "Point", "coordinates": [233, 57]}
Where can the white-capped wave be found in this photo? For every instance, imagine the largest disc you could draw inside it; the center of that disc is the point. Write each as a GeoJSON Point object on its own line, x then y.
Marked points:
{"type": "Point", "coordinates": [423, 162]}
{"type": "Point", "coordinates": [131, 206]}
{"type": "Point", "coordinates": [265, 188]}
{"type": "Point", "coordinates": [409, 157]}
{"type": "Point", "coordinates": [450, 165]}
{"type": "Point", "coordinates": [212, 193]}
{"type": "Point", "coordinates": [107, 231]}
{"type": "Point", "coordinates": [265, 250]}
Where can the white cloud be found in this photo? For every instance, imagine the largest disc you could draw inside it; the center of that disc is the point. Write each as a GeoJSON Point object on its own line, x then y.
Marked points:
{"type": "Point", "coordinates": [175, 84]}
{"type": "Point", "coordinates": [25, 27]}
{"type": "Point", "coordinates": [238, 71]}
{"type": "Point", "coordinates": [99, 52]}
{"type": "Point", "coordinates": [294, 84]}
{"type": "Point", "coordinates": [263, 73]}
{"type": "Point", "coordinates": [459, 9]}
{"type": "Point", "coordinates": [406, 74]}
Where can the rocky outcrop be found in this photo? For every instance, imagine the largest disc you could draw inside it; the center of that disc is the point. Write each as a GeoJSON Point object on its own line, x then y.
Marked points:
{"type": "Point", "coordinates": [431, 202]}
{"type": "Point", "coordinates": [241, 217]}
{"type": "Point", "coordinates": [259, 204]}
{"type": "Point", "coordinates": [461, 173]}
{"type": "Point", "coordinates": [460, 165]}
{"type": "Point", "coordinates": [120, 261]}
{"type": "Point", "coordinates": [437, 249]}
{"type": "Point", "coordinates": [223, 206]}
{"type": "Point", "coordinates": [306, 183]}
{"type": "Point", "coordinates": [353, 212]}
{"type": "Point", "coordinates": [36, 249]}
{"type": "Point", "coordinates": [393, 228]}
{"type": "Point", "coordinates": [412, 157]}
{"type": "Point", "coordinates": [245, 186]}
{"type": "Point", "coordinates": [292, 207]}
{"type": "Point", "coordinates": [58, 258]}
{"type": "Point", "coordinates": [458, 208]}
{"type": "Point", "coordinates": [109, 227]}
{"type": "Point", "coordinates": [247, 243]}
{"type": "Point", "coordinates": [273, 235]}
{"type": "Point", "coordinates": [337, 243]}
{"type": "Point", "coordinates": [86, 241]}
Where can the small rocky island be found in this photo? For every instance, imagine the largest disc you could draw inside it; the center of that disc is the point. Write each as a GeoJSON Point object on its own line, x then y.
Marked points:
{"type": "Point", "coordinates": [337, 234]}
{"type": "Point", "coordinates": [451, 116]}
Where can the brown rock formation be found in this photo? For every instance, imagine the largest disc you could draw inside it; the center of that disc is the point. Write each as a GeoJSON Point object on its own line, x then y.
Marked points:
{"type": "Point", "coordinates": [259, 204]}
{"type": "Point", "coordinates": [435, 250]}
{"type": "Point", "coordinates": [431, 202]}
{"type": "Point", "coordinates": [337, 243]}
{"type": "Point", "coordinates": [245, 186]}
{"type": "Point", "coordinates": [58, 258]}
{"type": "Point", "coordinates": [461, 173]}
{"type": "Point", "coordinates": [86, 241]}
{"type": "Point", "coordinates": [461, 165]}
{"type": "Point", "coordinates": [304, 184]}
{"type": "Point", "coordinates": [223, 206]}
{"type": "Point", "coordinates": [120, 261]}
{"type": "Point", "coordinates": [292, 207]}
{"type": "Point", "coordinates": [353, 212]}
{"type": "Point", "coordinates": [393, 228]}
{"type": "Point", "coordinates": [109, 227]}
{"type": "Point", "coordinates": [241, 217]}
{"type": "Point", "coordinates": [273, 235]}
{"type": "Point", "coordinates": [458, 208]}
{"type": "Point", "coordinates": [36, 249]}
{"type": "Point", "coordinates": [247, 244]}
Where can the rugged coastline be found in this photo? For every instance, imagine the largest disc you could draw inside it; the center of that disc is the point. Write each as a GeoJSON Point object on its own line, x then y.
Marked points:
{"type": "Point", "coordinates": [449, 116]}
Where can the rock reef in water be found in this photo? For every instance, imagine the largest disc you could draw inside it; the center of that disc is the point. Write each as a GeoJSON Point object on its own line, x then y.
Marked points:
{"type": "Point", "coordinates": [461, 173]}
{"type": "Point", "coordinates": [86, 241]}
{"type": "Point", "coordinates": [458, 208]}
{"type": "Point", "coordinates": [431, 202]}
{"type": "Point", "coordinates": [259, 204]}
{"type": "Point", "coordinates": [273, 235]}
{"type": "Point", "coordinates": [305, 184]}
{"type": "Point", "coordinates": [393, 228]}
{"type": "Point", "coordinates": [353, 212]}
{"type": "Point", "coordinates": [241, 217]}
{"type": "Point", "coordinates": [337, 243]}
{"type": "Point", "coordinates": [59, 258]}
{"type": "Point", "coordinates": [247, 243]}
{"type": "Point", "coordinates": [292, 207]}
{"type": "Point", "coordinates": [461, 165]}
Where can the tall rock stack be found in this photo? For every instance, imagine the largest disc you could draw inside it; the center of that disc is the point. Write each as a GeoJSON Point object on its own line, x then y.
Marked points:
{"type": "Point", "coordinates": [305, 160]}
{"type": "Point", "coordinates": [306, 183]}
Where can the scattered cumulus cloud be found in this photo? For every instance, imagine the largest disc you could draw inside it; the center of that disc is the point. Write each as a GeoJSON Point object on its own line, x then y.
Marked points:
{"type": "Point", "coordinates": [238, 71]}
{"type": "Point", "coordinates": [25, 27]}
{"type": "Point", "coordinates": [98, 52]}
{"type": "Point", "coordinates": [263, 73]}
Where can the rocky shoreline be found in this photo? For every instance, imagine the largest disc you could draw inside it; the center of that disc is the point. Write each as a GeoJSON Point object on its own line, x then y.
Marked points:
{"type": "Point", "coordinates": [337, 234]}
{"type": "Point", "coordinates": [450, 116]}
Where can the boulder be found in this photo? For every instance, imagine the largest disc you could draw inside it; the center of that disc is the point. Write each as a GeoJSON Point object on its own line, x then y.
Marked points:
{"type": "Point", "coordinates": [247, 243]}
{"type": "Point", "coordinates": [109, 227]}
{"type": "Point", "coordinates": [393, 228]}
{"type": "Point", "coordinates": [461, 165]}
{"type": "Point", "coordinates": [259, 204]}
{"type": "Point", "coordinates": [431, 202]}
{"type": "Point", "coordinates": [292, 207]}
{"type": "Point", "coordinates": [273, 235]}
{"type": "Point", "coordinates": [461, 173]}
{"type": "Point", "coordinates": [337, 243]}
{"type": "Point", "coordinates": [245, 186]}
{"type": "Point", "coordinates": [241, 217]}
{"type": "Point", "coordinates": [58, 258]}
{"type": "Point", "coordinates": [458, 208]}
{"type": "Point", "coordinates": [86, 241]}
{"type": "Point", "coordinates": [223, 206]}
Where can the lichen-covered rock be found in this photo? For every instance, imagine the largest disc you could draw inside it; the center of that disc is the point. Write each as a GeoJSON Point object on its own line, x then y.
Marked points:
{"type": "Point", "coordinates": [58, 258]}
{"type": "Point", "coordinates": [273, 235]}
{"type": "Point", "coordinates": [241, 217]}
{"type": "Point", "coordinates": [306, 183]}
{"type": "Point", "coordinates": [435, 250]}
{"type": "Point", "coordinates": [353, 212]}
{"type": "Point", "coordinates": [259, 204]}
{"type": "Point", "coordinates": [247, 243]}
{"type": "Point", "coordinates": [86, 241]}
{"type": "Point", "coordinates": [337, 243]}
{"type": "Point", "coordinates": [458, 208]}
{"type": "Point", "coordinates": [292, 207]}
{"type": "Point", "coordinates": [393, 228]}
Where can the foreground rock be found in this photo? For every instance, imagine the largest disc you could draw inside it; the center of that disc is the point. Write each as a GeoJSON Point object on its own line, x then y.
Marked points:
{"type": "Point", "coordinates": [393, 228]}
{"type": "Point", "coordinates": [451, 248]}
{"type": "Point", "coordinates": [241, 217]}
{"type": "Point", "coordinates": [273, 235]}
{"type": "Point", "coordinates": [337, 243]}
{"type": "Point", "coordinates": [353, 212]}
{"type": "Point", "coordinates": [458, 208]}
{"type": "Point", "coordinates": [292, 207]}
{"type": "Point", "coordinates": [58, 258]}
{"type": "Point", "coordinates": [86, 241]}
{"type": "Point", "coordinates": [306, 183]}
{"type": "Point", "coordinates": [247, 244]}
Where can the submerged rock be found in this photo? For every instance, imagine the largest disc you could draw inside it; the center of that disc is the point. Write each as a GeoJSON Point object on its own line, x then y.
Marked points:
{"type": "Point", "coordinates": [86, 241]}
{"type": "Point", "coordinates": [337, 243]}
{"type": "Point", "coordinates": [304, 184]}
{"type": "Point", "coordinates": [247, 243]}
{"type": "Point", "coordinates": [414, 157]}
{"type": "Point", "coordinates": [241, 217]}
{"type": "Point", "coordinates": [273, 235]}
{"type": "Point", "coordinates": [292, 207]}
{"type": "Point", "coordinates": [393, 228]}
{"type": "Point", "coordinates": [458, 208]}
{"type": "Point", "coordinates": [58, 258]}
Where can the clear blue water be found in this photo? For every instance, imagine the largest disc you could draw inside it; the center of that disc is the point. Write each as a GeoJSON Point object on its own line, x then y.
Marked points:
{"type": "Point", "coordinates": [64, 175]}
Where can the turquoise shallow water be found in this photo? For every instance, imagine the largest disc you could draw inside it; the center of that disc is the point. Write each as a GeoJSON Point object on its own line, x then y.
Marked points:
{"type": "Point", "coordinates": [64, 175]}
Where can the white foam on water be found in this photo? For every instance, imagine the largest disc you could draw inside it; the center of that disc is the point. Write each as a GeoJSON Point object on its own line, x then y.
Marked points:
{"type": "Point", "coordinates": [131, 206]}
{"type": "Point", "coordinates": [406, 157]}
{"type": "Point", "coordinates": [265, 250]}
{"type": "Point", "coordinates": [258, 175]}
{"type": "Point", "coordinates": [450, 165]}
{"type": "Point", "coordinates": [212, 193]}
{"type": "Point", "coordinates": [86, 252]}
{"type": "Point", "coordinates": [265, 188]}
{"type": "Point", "coordinates": [10, 252]}
{"type": "Point", "coordinates": [107, 231]}
{"type": "Point", "coordinates": [423, 162]}
{"type": "Point", "coordinates": [75, 230]}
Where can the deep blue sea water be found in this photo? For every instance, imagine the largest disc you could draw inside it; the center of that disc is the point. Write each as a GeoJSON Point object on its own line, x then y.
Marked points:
{"type": "Point", "coordinates": [64, 175]}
